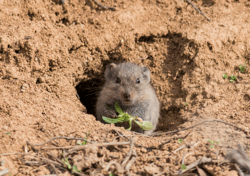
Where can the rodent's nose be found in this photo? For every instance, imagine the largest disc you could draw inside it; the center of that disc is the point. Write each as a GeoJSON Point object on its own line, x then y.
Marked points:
{"type": "Point", "coordinates": [127, 95]}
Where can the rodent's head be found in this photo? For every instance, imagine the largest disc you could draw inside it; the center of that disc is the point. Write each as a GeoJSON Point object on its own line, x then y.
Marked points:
{"type": "Point", "coordinates": [128, 80]}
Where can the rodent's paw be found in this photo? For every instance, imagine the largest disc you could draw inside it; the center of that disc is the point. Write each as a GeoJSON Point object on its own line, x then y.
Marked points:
{"type": "Point", "coordinates": [111, 114]}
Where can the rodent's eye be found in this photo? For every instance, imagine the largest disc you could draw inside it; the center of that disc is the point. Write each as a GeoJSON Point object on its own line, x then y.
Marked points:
{"type": "Point", "coordinates": [138, 81]}
{"type": "Point", "coordinates": [118, 80]}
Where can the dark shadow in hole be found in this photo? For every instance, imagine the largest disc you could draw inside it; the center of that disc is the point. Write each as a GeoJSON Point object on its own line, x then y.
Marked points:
{"type": "Point", "coordinates": [88, 92]}
{"type": "Point", "coordinates": [178, 62]}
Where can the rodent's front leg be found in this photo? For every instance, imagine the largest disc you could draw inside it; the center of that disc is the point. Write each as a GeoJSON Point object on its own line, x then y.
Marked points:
{"type": "Point", "coordinates": [108, 111]}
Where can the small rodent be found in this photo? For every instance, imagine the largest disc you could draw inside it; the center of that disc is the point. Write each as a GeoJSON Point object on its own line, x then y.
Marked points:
{"type": "Point", "coordinates": [129, 84]}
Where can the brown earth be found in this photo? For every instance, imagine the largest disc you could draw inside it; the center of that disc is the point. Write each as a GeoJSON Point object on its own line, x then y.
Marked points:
{"type": "Point", "coordinates": [49, 52]}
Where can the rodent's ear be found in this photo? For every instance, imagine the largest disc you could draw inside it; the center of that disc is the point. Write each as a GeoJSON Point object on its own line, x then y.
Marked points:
{"type": "Point", "coordinates": [109, 72]}
{"type": "Point", "coordinates": [145, 72]}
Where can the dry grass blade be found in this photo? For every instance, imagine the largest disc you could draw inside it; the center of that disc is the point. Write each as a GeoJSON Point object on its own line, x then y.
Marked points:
{"type": "Point", "coordinates": [205, 121]}
{"type": "Point", "coordinates": [191, 166]}
{"type": "Point", "coordinates": [198, 10]}
{"type": "Point", "coordinates": [76, 148]}
{"type": "Point", "coordinates": [61, 137]}
{"type": "Point", "coordinates": [129, 153]}
{"type": "Point", "coordinates": [131, 162]}
{"type": "Point", "coordinates": [6, 154]}
{"type": "Point", "coordinates": [104, 7]}
{"type": "Point", "coordinates": [239, 170]}
{"type": "Point", "coordinates": [119, 168]}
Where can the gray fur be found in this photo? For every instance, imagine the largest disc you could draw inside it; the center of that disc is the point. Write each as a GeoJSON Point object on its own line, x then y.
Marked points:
{"type": "Point", "coordinates": [137, 99]}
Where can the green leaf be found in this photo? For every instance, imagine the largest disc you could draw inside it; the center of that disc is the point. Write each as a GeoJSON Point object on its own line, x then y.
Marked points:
{"type": "Point", "coordinates": [111, 174]}
{"type": "Point", "coordinates": [118, 108]}
{"type": "Point", "coordinates": [242, 67]}
{"type": "Point", "coordinates": [124, 117]}
{"type": "Point", "coordinates": [110, 120]}
{"type": "Point", "coordinates": [183, 167]}
{"type": "Point", "coordinates": [66, 161]}
{"type": "Point", "coordinates": [233, 77]}
{"type": "Point", "coordinates": [209, 140]}
{"type": "Point", "coordinates": [130, 125]}
{"type": "Point", "coordinates": [145, 125]}
{"type": "Point", "coordinates": [74, 169]}
{"type": "Point", "coordinates": [225, 75]}
{"type": "Point", "coordinates": [83, 142]}
{"type": "Point", "coordinates": [180, 141]}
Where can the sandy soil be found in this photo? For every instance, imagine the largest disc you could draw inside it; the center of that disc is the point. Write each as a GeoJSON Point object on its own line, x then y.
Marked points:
{"type": "Point", "coordinates": [50, 53]}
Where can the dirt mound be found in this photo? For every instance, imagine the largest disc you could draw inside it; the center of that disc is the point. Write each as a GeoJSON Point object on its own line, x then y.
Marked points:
{"type": "Point", "coordinates": [52, 59]}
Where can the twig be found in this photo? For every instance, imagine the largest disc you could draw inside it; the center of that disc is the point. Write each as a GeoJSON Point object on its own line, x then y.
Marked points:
{"type": "Point", "coordinates": [97, 144]}
{"type": "Point", "coordinates": [200, 161]}
{"type": "Point", "coordinates": [174, 137]}
{"type": "Point", "coordinates": [176, 131]}
{"type": "Point", "coordinates": [32, 146]}
{"type": "Point", "coordinates": [56, 171]}
{"type": "Point", "coordinates": [239, 170]}
{"type": "Point", "coordinates": [183, 159]}
{"type": "Point", "coordinates": [198, 10]}
{"type": "Point", "coordinates": [3, 172]}
{"type": "Point", "coordinates": [53, 156]}
{"type": "Point", "coordinates": [44, 160]}
{"type": "Point", "coordinates": [119, 133]}
{"type": "Point", "coordinates": [119, 168]}
{"type": "Point", "coordinates": [103, 6]}
{"type": "Point", "coordinates": [182, 147]}
{"type": "Point", "coordinates": [61, 137]}
{"type": "Point", "coordinates": [131, 162]}
{"type": "Point", "coordinates": [6, 154]}
{"type": "Point", "coordinates": [129, 153]}
{"type": "Point", "coordinates": [195, 144]}
{"type": "Point", "coordinates": [54, 148]}
{"type": "Point", "coordinates": [191, 153]}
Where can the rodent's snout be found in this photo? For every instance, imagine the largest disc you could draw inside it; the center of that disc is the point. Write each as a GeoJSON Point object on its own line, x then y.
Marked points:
{"type": "Point", "coordinates": [126, 95]}
{"type": "Point", "coordinates": [127, 98]}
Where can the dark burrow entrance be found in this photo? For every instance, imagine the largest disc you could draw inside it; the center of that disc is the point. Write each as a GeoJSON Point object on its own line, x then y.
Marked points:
{"type": "Point", "coordinates": [88, 92]}
{"type": "Point", "coordinates": [89, 89]}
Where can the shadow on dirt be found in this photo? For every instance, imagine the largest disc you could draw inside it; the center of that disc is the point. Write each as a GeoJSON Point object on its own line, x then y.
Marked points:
{"type": "Point", "coordinates": [178, 61]}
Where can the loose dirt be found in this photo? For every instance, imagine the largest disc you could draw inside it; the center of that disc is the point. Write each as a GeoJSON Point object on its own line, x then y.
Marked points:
{"type": "Point", "coordinates": [52, 52]}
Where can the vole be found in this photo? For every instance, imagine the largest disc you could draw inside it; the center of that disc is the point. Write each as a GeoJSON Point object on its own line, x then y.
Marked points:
{"type": "Point", "coordinates": [129, 84]}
